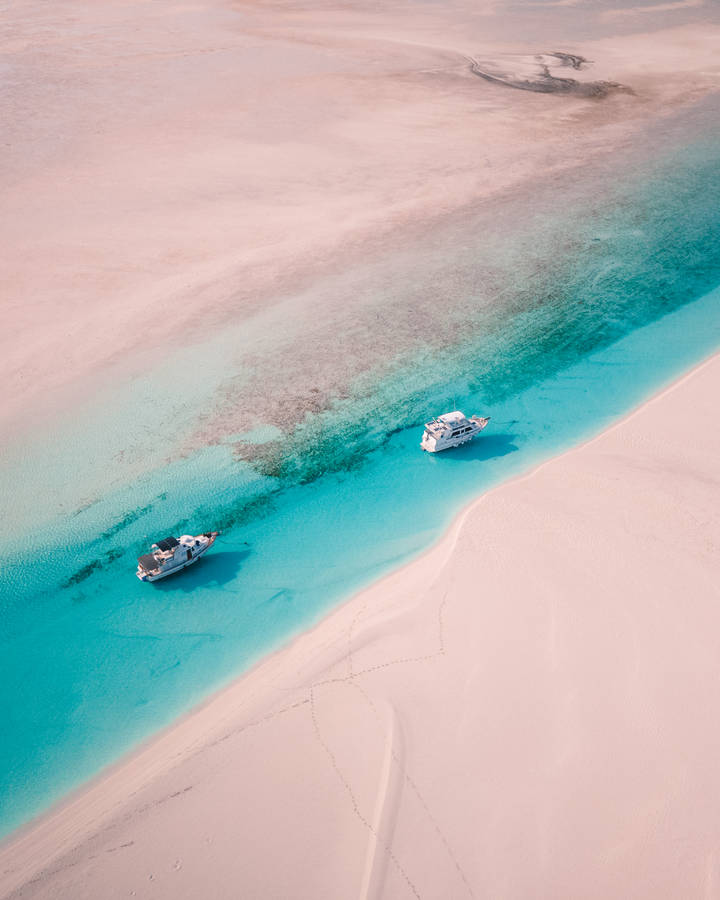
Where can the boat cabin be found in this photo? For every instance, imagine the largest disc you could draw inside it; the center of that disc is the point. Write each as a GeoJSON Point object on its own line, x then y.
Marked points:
{"type": "Point", "coordinates": [170, 551]}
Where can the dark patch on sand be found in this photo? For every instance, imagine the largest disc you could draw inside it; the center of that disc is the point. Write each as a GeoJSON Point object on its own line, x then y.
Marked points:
{"type": "Point", "coordinates": [569, 59]}
{"type": "Point", "coordinates": [534, 73]}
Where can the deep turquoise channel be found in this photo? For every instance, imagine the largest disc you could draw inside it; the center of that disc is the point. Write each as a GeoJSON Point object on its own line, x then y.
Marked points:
{"type": "Point", "coordinates": [93, 661]}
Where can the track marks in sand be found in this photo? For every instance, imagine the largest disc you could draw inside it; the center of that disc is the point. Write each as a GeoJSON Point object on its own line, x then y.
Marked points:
{"type": "Point", "coordinates": [393, 777]}
{"type": "Point", "coordinates": [396, 757]}
{"type": "Point", "coordinates": [398, 661]}
{"type": "Point", "coordinates": [386, 806]}
{"type": "Point", "coordinates": [373, 827]}
{"type": "Point", "coordinates": [263, 720]}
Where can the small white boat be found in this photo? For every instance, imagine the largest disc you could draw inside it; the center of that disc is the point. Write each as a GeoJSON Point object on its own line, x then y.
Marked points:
{"type": "Point", "coordinates": [172, 555]}
{"type": "Point", "coordinates": [451, 430]}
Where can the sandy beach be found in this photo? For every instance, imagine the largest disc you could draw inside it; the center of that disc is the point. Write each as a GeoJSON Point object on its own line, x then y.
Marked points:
{"type": "Point", "coordinates": [248, 248]}
{"type": "Point", "coordinates": [527, 710]}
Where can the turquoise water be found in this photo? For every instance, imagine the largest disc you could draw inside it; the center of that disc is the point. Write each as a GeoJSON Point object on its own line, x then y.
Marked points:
{"type": "Point", "coordinates": [610, 305]}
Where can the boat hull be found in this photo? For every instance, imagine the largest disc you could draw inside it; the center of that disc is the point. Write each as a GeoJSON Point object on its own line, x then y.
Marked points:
{"type": "Point", "coordinates": [432, 446]}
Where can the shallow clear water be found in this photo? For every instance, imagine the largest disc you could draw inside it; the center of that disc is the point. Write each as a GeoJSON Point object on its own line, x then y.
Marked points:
{"type": "Point", "coordinates": [619, 302]}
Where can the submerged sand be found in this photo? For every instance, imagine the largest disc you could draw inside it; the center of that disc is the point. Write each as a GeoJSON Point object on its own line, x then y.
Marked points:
{"type": "Point", "coordinates": [527, 710]}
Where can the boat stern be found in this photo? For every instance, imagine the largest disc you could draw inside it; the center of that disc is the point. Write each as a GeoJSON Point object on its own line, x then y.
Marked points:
{"type": "Point", "coordinates": [428, 441]}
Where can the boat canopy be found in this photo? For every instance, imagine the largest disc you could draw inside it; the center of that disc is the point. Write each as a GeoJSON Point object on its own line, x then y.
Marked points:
{"type": "Point", "coordinates": [168, 543]}
{"type": "Point", "coordinates": [148, 562]}
{"type": "Point", "coordinates": [452, 418]}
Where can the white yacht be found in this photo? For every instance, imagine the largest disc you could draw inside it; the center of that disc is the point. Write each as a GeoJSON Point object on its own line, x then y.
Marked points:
{"type": "Point", "coordinates": [451, 430]}
{"type": "Point", "coordinates": [172, 555]}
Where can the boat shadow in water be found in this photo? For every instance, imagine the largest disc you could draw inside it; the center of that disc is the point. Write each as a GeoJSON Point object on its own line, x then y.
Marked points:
{"type": "Point", "coordinates": [213, 570]}
{"type": "Point", "coordinates": [488, 446]}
